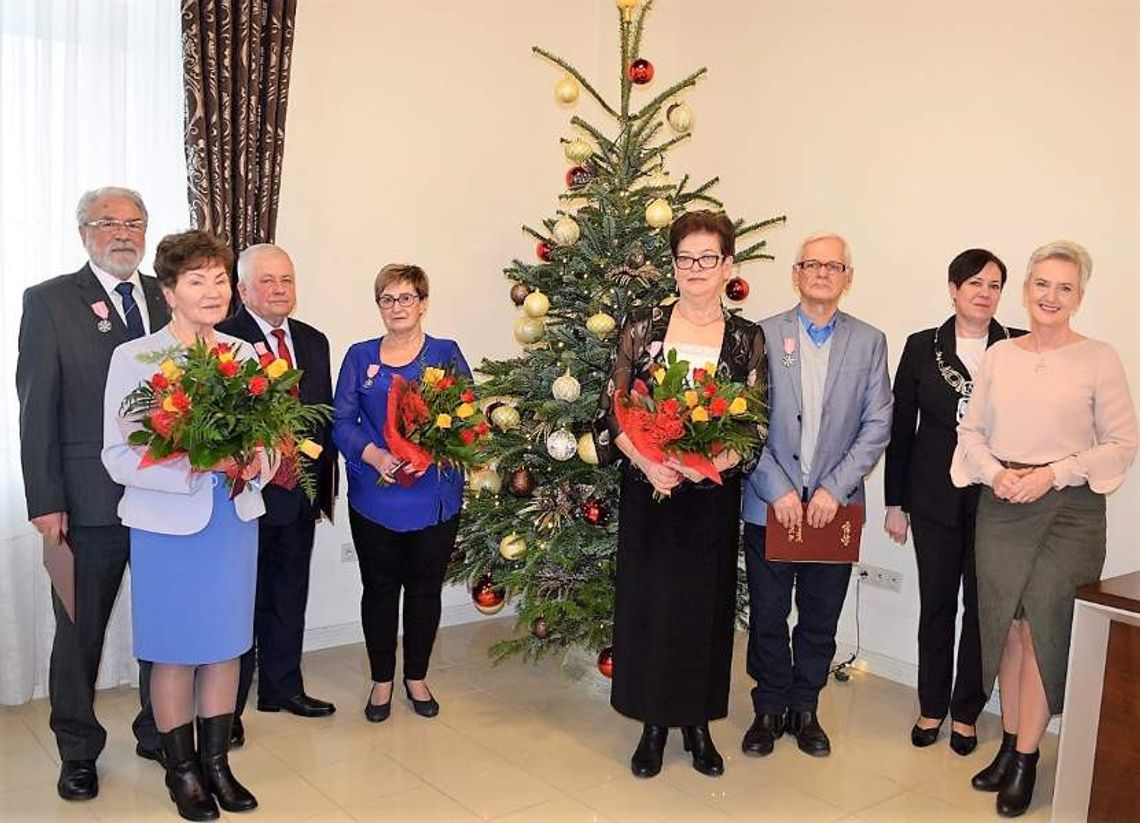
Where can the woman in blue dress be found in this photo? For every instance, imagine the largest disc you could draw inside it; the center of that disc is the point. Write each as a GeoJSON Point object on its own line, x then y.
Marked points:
{"type": "Point", "coordinates": [193, 550]}
{"type": "Point", "coordinates": [404, 534]}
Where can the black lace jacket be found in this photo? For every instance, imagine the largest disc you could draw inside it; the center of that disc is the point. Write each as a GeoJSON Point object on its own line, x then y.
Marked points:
{"type": "Point", "coordinates": [641, 345]}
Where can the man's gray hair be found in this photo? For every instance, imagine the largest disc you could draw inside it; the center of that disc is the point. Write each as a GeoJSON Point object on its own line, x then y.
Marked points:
{"type": "Point", "coordinates": [246, 258]}
{"type": "Point", "coordinates": [825, 235]}
{"type": "Point", "coordinates": [1066, 250]}
{"type": "Point", "coordinates": [90, 198]}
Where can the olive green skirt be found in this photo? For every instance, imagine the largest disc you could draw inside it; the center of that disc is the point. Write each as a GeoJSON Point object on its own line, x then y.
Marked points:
{"type": "Point", "coordinates": [1031, 557]}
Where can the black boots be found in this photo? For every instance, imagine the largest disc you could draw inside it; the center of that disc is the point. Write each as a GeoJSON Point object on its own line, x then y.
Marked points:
{"type": "Point", "coordinates": [646, 760]}
{"type": "Point", "coordinates": [698, 742]}
{"type": "Point", "coordinates": [992, 777]}
{"type": "Point", "coordinates": [1017, 791]}
{"type": "Point", "coordinates": [184, 775]}
{"type": "Point", "coordinates": [214, 747]}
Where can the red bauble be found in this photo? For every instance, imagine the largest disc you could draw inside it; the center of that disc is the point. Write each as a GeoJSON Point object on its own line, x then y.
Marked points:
{"type": "Point", "coordinates": [736, 289]}
{"type": "Point", "coordinates": [606, 661]}
{"type": "Point", "coordinates": [577, 176]}
{"type": "Point", "coordinates": [543, 251]}
{"type": "Point", "coordinates": [487, 597]}
{"type": "Point", "coordinates": [595, 511]}
{"type": "Point", "coordinates": [640, 71]}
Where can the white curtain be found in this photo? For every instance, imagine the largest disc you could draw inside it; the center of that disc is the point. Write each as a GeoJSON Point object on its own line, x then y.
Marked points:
{"type": "Point", "coordinates": [90, 95]}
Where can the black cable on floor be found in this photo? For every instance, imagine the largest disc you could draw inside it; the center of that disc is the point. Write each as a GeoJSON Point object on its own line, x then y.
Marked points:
{"type": "Point", "coordinates": [839, 670]}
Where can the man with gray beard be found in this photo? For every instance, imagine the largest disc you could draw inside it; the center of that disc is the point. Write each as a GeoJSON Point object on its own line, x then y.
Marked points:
{"type": "Point", "coordinates": [69, 328]}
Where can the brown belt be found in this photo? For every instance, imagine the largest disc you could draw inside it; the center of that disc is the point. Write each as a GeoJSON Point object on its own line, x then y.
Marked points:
{"type": "Point", "coordinates": [1011, 464]}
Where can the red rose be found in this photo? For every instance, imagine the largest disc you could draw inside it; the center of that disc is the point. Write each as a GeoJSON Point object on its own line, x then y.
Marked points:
{"type": "Point", "coordinates": [228, 368]}
{"type": "Point", "coordinates": [710, 389]}
{"type": "Point", "coordinates": [161, 422]}
{"type": "Point", "coordinates": [718, 407]}
{"type": "Point", "coordinates": [467, 436]}
{"type": "Point", "coordinates": [468, 396]}
{"type": "Point", "coordinates": [265, 359]}
{"type": "Point", "coordinates": [159, 382]}
{"type": "Point", "coordinates": [220, 348]}
{"type": "Point", "coordinates": [257, 385]}
{"type": "Point", "coordinates": [180, 400]}
{"type": "Point", "coordinates": [639, 387]}
{"type": "Point", "coordinates": [670, 406]}
{"type": "Point", "coordinates": [699, 375]}
{"type": "Point", "coordinates": [445, 382]}
{"type": "Point", "coordinates": [481, 428]}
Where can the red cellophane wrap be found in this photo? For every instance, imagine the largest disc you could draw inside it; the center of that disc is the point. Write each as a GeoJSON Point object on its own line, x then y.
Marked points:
{"type": "Point", "coordinates": [406, 410]}
{"type": "Point", "coordinates": [652, 432]}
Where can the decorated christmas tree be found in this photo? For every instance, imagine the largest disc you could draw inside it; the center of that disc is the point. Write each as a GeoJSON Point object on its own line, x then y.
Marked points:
{"type": "Point", "coordinates": [539, 526]}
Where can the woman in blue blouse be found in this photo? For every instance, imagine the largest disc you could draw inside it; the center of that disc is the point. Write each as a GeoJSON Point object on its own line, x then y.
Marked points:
{"type": "Point", "coordinates": [404, 535]}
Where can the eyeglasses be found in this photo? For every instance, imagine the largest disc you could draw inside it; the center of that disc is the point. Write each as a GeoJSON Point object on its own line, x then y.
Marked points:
{"type": "Point", "coordinates": [706, 261]}
{"type": "Point", "coordinates": [108, 224]}
{"type": "Point", "coordinates": [814, 266]}
{"type": "Point", "coordinates": [406, 299]}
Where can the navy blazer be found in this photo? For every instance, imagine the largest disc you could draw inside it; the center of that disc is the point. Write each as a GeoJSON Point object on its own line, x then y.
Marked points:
{"type": "Point", "coordinates": [854, 427]}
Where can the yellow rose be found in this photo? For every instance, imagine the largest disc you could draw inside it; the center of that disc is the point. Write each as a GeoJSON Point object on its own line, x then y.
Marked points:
{"type": "Point", "coordinates": [310, 448]}
{"type": "Point", "coordinates": [443, 421]}
{"type": "Point", "coordinates": [168, 405]}
{"type": "Point", "coordinates": [464, 411]}
{"type": "Point", "coordinates": [690, 398]}
{"type": "Point", "coordinates": [710, 368]}
{"type": "Point", "coordinates": [225, 356]}
{"type": "Point", "coordinates": [277, 368]}
{"type": "Point", "coordinates": [659, 374]}
{"type": "Point", "coordinates": [432, 375]}
{"type": "Point", "coordinates": [170, 370]}
{"type": "Point", "coordinates": [700, 415]}
{"type": "Point", "coordinates": [738, 406]}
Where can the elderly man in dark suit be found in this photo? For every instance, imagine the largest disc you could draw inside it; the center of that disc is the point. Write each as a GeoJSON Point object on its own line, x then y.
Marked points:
{"type": "Point", "coordinates": [829, 423]}
{"type": "Point", "coordinates": [267, 285]}
{"type": "Point", "coordinates": [69, 328]}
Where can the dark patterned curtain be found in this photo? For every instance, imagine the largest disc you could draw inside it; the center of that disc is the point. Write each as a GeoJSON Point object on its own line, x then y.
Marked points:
{"type": "Point", "coordinates": [236, 56]}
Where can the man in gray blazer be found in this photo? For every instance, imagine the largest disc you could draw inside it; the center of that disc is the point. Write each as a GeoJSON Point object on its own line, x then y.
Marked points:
{"type": "Point", "coordinates": [829, 421]}
{"type": "Point", "coordinates": [69, 328]}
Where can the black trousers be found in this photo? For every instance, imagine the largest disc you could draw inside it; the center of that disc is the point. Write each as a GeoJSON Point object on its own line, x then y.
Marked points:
{"type": "Point", "coordinates": [415, 562]}
{"type": "Point", "coordinates": [945, 559]}
{"type": "Point", "coordinates": [101, 557]}
{"type": "Point", "coordinates": [283, 555]}
{"type": "Point", "coordinates": [790, 677]}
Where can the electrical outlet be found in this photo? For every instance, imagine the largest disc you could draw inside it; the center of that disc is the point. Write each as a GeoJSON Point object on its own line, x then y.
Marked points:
{"type": "Point", "coordinates": [347, 553]}
{"type": "Point", "coordinates": [879, 577]}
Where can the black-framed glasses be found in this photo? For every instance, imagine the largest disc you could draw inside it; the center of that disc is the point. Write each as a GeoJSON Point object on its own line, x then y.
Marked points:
{"type": "Point", "coordinates": [814, 266]}
{"type": "Point", "coordinates": [110, 224]}
{"type": "Point", "coordinates": [685, 262]}
{"type": "Point", "coordinates": [406, 299]}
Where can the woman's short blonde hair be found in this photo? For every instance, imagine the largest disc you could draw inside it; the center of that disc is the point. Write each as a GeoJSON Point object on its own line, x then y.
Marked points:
{"type": "Point", "coordinates": [1067, 250]}
{"type": "Point", "coordinates": [393, 273]}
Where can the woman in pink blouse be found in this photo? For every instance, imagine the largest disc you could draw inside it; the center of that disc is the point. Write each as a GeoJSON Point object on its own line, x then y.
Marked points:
{"type": "Point", "coordinates": [1050, 430]}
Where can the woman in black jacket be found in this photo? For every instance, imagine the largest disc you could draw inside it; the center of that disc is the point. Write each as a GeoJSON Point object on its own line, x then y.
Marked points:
{"type": "Point", "coordinates": [932, 386]}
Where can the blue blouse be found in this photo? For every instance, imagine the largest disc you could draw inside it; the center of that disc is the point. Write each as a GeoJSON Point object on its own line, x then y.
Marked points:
{"type": "Point", "coordinates": [360, 408]}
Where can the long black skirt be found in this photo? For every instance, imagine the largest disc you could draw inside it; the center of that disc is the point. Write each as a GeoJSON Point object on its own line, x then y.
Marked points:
{"type": "Point", "coordinates": [675, 602]}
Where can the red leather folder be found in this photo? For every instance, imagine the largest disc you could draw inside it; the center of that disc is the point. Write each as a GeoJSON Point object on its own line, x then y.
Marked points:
{"type": "Point", "coordinates": [837, 542]}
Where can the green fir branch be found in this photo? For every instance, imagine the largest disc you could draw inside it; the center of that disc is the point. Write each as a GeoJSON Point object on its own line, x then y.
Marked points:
{"type": "Point", "coordinates": [577, 75]}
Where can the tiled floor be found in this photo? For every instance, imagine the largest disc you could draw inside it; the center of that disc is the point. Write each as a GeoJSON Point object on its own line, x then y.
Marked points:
{"type": "Point", "coordinates": [518, 742]}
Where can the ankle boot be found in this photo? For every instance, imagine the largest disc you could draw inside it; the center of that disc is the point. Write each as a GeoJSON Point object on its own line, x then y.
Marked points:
{"type": "Point", "coordinates": [698, 741]}
{"type": "Point", "coordinates": [214, 747]}
{"type": "Point", "coordinates": [1017, 793]}
{"type": "Point", "coordinates": [991, 778]}
{"type": "Point", "coordinates": [646, 760]}
{"type": "Point", "coordinates": [184, 775]}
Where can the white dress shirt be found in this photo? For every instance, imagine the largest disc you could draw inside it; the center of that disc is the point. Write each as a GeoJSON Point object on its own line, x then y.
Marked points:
{"type": "Point", "coordinates": [267, 330]}
{"type": "Point", "coordinates": [109, 281]}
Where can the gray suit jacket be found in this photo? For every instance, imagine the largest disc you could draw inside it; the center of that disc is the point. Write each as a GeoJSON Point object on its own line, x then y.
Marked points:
{"type": "Point", "coordinates": [61, 370]}
{"type": "Point", "coordinates": [855, 425]}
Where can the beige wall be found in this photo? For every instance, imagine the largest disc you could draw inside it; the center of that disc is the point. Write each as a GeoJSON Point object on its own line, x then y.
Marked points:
{"type": "Point", "coordinates": [426, 131]}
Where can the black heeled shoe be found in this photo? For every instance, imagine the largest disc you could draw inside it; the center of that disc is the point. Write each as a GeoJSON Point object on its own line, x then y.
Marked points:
{"type": "Point", "coordinates": [424, 708]}
{"type": "Point", "coordinates": [1017, 792]}
{"type": "Point", "coordinates": [992, 777]}
{"type": "Point", "coordinates": [698, 741]}
{"type": "Point", "coordinates": [920, 738]}
{"type": "Point", "coordinates": [963, 744]}
{"type": "Point", "coordinates": [213, 749]}
{"type": "Point", "coordinates": [184, 778]}
{"type": "Point", "coordinates": [646, 760]}
{"type": "Point", "coordinates": [377, 712]}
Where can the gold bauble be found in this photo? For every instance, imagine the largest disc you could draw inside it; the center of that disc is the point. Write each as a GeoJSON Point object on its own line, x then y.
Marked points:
{"type": "Point", "coordinates": [567, 90]}
{"type": "Point", "coordinates": [659, 213]}
{"type": "Point", "coordinates": [600, 324]}
{"type": "Point", "coordinates": [505, 417]}
{"type": "Point", "coordinates": [566, 231]}
{"type": "Point", "coordinates": [485, 480]}
{"type": "Point", "coordinates": [529, 330]}
{"type": "Point", "coordinates": [578, 151]}
{"type": "Point", "coordinates": [536, 305]}
{"type": "Point", "coordinates": [587, 451]}
{"type": "Point", "coordinates": [512, 546]}
{"type": "Point", "coordinates": [627, 7]}
{"type": "Point", "coordinates": [566, 388]}
{"type": "Point", "coordinates": [679, 117]}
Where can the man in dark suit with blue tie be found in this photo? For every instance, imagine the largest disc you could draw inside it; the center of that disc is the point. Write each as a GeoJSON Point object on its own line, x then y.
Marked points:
{"type": "Point", "coordinates": [70, 326]}
{"type": "Point", "coordinates": [267, 285]}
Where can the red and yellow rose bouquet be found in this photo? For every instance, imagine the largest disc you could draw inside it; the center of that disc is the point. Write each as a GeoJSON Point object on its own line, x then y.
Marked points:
{"type": "Point", "coordinates": [692, 419]}
{"type": "Point", "coordinates": [204, 404]}
{"type": "Point", "coordinates": [434, 420]}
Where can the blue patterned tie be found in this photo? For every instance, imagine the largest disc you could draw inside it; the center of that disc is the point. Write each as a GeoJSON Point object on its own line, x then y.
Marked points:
{"type": "Point", "coordinates": [131, 311]}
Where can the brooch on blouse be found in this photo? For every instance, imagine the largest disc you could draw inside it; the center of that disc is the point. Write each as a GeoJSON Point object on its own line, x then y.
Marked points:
{"type": "Point", "coordinates": [789, 358]}
{"type": "Point", "coordinates": [372, 371]}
